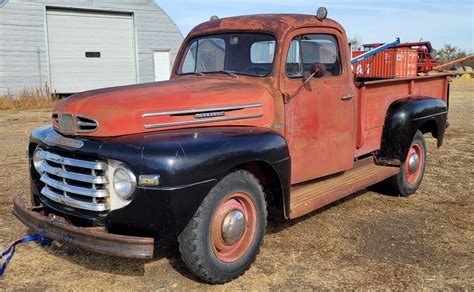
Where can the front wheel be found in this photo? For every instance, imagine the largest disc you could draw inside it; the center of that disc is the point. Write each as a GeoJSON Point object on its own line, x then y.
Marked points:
{"type": "Point", "coordinates": [412, 170]}
{"type": "Point", "coordinates": [224, 237]}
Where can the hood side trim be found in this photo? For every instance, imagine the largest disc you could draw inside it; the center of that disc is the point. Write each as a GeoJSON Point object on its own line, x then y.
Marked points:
{"type": "Point", "coordinates": [203, 110]}
{"type": "Point", "coordinates": [196, 122]}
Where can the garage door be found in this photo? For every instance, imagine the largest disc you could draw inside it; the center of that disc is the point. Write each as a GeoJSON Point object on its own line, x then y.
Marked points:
{"type": "Point", "coordinates": [89, 50]}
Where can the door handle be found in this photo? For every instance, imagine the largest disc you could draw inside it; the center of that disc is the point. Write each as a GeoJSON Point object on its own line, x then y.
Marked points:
{"type": "Point", "coordinates": [347, 97]}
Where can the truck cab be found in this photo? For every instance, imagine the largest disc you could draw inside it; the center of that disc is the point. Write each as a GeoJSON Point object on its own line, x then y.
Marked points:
{"type": "Point", "coordinates": [261, 111]}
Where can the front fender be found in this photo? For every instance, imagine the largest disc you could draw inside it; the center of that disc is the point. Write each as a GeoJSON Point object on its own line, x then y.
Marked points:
{"type": "Point", "coordinates": [404, 119]}
{"type": "Point", "coordinates": [190, 162]}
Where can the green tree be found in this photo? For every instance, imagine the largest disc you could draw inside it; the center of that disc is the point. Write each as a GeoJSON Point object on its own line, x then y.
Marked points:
{"type": "Point", "coordinates": [450, 53]}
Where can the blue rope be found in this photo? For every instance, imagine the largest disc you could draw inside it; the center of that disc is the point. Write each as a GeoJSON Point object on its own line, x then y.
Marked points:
{"type": "Point", "coordinates": [11, 250]}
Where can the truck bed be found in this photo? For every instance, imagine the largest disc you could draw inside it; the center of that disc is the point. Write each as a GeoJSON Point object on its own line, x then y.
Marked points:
{"type": "Point", "coordinates": [376, 96]}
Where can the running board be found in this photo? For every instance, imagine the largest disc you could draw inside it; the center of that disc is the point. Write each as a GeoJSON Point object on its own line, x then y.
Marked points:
{"type": "Point", "coordinates": [316, 194]}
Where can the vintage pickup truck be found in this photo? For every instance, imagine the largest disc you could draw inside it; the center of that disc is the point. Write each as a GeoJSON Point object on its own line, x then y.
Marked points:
{"type": "Point", "coordinates": [261, 112]}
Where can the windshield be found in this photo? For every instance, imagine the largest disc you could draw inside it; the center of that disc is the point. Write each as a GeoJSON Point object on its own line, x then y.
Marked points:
{"type": "Point", "coordinates": [239, 53]}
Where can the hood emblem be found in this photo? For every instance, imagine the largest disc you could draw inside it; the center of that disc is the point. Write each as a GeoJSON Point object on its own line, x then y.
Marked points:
{"type": "Point", "coordinates": [209, 115]}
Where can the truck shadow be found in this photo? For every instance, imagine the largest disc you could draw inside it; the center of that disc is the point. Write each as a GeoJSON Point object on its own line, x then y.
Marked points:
{"type": "Point", "coordinates": [277, 224]}
{"type": "Point", "coordinates": [170, 250]}
{"type": "Point", "coordinates": [110, 264]}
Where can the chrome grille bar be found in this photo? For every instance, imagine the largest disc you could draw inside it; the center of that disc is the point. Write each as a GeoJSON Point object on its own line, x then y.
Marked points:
{"type": "Point", "coordinates": [58, 198]}
{"type": "Point", "coordinates": [73, 189]}
{"type": "Point", "coordinates": [73, 162]}
{"type": "Point", "coordinates": [76, 183]}
{"type": "Point", "coordinates": [73, 176]}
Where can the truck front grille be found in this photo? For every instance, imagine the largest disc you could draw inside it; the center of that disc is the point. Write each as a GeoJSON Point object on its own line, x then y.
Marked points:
{"type": "Point", "coordinates": [81, 184]}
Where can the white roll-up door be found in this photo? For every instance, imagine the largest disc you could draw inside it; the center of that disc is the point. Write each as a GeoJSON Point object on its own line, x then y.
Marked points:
{"type": "Point", "coordinates": [89, 50]}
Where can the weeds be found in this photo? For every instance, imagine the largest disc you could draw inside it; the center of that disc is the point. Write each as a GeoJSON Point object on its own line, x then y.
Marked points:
{"type": "Point", "coordinates": [28, 99]}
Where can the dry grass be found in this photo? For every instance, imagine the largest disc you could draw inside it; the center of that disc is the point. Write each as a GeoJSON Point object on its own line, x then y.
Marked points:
{"type": "Point", "coordinates": [367, 241]}
{"type": "Point", "coordinates": [38, 98]}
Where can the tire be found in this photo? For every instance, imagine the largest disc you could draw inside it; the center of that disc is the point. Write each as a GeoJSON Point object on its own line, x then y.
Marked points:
{"type": "Point", "coordinates": [407, 181]}
{"type": "Point", "coordinates": [206, 250]}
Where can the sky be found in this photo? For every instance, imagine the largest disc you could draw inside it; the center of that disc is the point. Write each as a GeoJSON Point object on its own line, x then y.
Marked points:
{"type": "Point", "coordinates": [438, 21]}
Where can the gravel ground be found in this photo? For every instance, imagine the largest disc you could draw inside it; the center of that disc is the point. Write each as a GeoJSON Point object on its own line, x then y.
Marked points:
{"type": "Point", "coordinates": [368, 240]}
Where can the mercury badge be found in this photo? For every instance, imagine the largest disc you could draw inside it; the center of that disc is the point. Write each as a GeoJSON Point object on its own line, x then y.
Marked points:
{"type": "Point", "coordinates": [209, 115]}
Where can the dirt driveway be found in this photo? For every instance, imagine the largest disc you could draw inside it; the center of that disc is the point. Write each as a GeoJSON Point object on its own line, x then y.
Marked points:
{"type": "Point", "coordinates": [368, 240]}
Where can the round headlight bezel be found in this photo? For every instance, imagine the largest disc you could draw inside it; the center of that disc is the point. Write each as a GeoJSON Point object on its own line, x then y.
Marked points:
{"type": "Point", "coordinates": [132, 181]}
{"type": "Point", "coordinates": [38, 161]}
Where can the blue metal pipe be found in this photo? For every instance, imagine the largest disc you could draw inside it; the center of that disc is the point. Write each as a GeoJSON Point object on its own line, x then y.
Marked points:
{"type": "Point", "coordinates": [375, 51]}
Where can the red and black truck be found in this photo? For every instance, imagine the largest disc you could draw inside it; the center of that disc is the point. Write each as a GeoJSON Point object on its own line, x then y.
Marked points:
{"type": "Point", "coordinates": [261, 111]}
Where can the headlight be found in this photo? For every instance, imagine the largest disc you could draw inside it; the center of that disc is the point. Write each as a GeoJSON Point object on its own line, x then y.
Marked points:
{"type": "Point", "coordinates": [124, 182]}
{"type": "Point", "coordinates": [38, 160]}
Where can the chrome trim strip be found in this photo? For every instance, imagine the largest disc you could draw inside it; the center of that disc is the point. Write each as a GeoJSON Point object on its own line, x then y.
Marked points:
{"type": "Point", "coordinates": [202, 110]}
{"type": "Point", "coordinates": [80, 123]}
{"type": "Point", "coordinates": [56, 139]}
{"type": "Point", "coordinates": [86, 124]}
{"type": "Point", "coordinates": [73, 176]}
{"type": "Point", "coordinates": [73, 189]}
{"type": "Point", "coordinates": [429, 116]}
{"type": "Point", "coordinates": [197, 122]}
{"type": "Point", "coordinates": [73, 162]}
{"type": "Point", "coordinates": [73, 203]}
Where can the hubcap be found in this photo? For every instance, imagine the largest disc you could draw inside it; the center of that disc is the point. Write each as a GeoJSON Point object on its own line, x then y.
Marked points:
{"type": "Point", "coordinates": [413, 163]}
{"type": "Point", "coordinates": [233, 227]}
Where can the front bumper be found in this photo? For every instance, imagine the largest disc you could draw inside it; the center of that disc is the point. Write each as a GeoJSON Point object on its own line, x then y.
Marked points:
{"type": "Point", "coordinates": [56, 228]}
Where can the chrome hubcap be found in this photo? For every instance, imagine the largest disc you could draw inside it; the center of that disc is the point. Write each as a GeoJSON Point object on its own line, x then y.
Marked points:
{"type": "Point", "coordinates": [233, 227]}
{"type": "Point", "coordinates": [413, 163]}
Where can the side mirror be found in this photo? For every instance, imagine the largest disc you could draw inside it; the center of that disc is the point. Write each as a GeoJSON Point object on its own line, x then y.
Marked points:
{"type": "Point", "coordinates": [318, 70]}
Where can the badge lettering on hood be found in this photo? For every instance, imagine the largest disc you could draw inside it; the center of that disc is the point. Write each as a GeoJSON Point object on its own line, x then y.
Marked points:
{"type": "Point", "coordinates": [209, 115]}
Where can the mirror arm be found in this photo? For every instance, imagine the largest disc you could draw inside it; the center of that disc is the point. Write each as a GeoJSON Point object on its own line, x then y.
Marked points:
{"type": "Point", "coordinates": [288, 97]}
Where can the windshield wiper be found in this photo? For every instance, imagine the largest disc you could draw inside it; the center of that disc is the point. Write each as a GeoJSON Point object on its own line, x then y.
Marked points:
{"type": "Point", "coordinates": [230, 73]}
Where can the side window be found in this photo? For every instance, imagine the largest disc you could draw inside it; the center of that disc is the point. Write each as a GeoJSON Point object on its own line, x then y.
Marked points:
{"type": "Point", "coordinates": [293, 60]}
{"type": "Point", "coordinates": [189, 64]}
{"type": "Point", "coordinates": [307, 50]}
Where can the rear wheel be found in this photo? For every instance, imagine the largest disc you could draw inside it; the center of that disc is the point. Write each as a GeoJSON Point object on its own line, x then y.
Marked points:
{"type": "Point", "coordinates": [224, 237]}
{"type": "Point", "coordinates": [412, 169]}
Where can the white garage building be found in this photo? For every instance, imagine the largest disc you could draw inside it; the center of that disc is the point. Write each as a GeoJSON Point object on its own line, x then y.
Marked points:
{"type": "Point", "coordinates": [84, 44]}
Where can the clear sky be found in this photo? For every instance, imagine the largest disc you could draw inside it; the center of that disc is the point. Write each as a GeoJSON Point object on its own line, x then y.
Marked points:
{"type": "Point", "coordinates": [439, 21]}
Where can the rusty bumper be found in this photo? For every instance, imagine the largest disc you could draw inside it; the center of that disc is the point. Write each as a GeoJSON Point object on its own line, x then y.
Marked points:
{"type": "Point", "coordinates": [57, 228]}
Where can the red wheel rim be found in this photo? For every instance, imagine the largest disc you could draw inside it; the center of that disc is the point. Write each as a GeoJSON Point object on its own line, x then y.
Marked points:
{"type": "Point", "coordinates": [416, 151]}
{"type": "Point", "coordinates": [243, 204]}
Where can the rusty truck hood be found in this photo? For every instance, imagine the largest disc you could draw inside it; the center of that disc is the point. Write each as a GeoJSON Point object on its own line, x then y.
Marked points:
{"type": "Point", "coordinates": [186, 102]}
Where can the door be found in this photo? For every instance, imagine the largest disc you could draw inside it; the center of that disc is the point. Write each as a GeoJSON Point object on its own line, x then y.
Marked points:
{"type": "Point", "coordinates": [162, 65]}
{"type": "Point", "coordinates": [319, 118]}
{"type": "Point", "coordinates": [89, 50]}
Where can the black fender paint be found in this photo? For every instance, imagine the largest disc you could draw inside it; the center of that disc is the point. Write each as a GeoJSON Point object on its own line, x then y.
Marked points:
{"type": "Point", "coordinates": [403, 119]}
{"type": "Point", "coordinates": [189, 161]}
